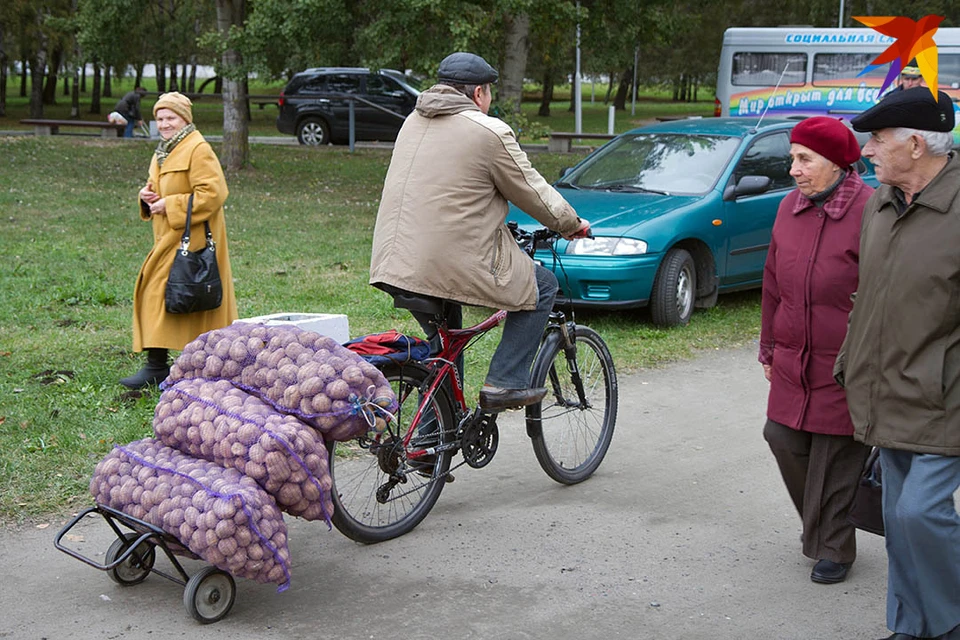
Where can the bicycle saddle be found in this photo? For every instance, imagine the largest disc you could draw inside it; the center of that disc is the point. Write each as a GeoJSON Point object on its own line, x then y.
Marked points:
{"type": "Point", "coordinates": [403, 299]}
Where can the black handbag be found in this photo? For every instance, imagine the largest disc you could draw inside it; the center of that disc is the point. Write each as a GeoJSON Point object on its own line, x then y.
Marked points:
{"type": "Point", "coordinates": [866, 512]}
{"type": "Point", "coordinates": [194, 282]}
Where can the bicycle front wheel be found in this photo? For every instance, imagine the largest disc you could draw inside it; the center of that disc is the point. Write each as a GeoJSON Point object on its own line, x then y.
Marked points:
{"type": "Point", "coordinates": [379, 492]}
{"type": "Point", "coordinates": [572, 427]}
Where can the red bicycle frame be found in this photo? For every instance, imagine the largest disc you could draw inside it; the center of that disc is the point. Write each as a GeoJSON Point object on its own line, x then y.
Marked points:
{"type": "Point", "coordinates": [453, 343]}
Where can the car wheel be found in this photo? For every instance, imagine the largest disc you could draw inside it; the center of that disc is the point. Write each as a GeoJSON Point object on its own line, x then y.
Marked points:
{"type": "Point", "coordinates": [313, 132]}
{"type": "Point", "coordinates": [674, 290]}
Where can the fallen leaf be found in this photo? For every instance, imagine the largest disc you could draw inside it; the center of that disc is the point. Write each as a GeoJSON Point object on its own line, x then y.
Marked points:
{"type": "Point", "coordinates": [43, 526]}
{"type": "Point", "coordinates": [72, 537]}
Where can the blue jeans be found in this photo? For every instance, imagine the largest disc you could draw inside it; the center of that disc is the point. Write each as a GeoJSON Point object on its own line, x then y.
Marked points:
{"type": "Point", "coordinates": [923, 542]}
{"type": "Point", "coordinates": [128, 132]}
{"type": "Point", "coordinates": [510, 365]}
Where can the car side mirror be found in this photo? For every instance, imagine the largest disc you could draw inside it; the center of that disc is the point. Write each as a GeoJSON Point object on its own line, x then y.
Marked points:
{"type": "Point", "coordinates": [748, 186]}
{"type": "Point", "coordinates": [565, 171]}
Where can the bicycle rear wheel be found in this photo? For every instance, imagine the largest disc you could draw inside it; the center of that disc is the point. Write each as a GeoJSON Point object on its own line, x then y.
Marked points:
{"type": "Point", "coordinates": [571, 435]}
{"type": "Point", "coordinates": [378, 492]}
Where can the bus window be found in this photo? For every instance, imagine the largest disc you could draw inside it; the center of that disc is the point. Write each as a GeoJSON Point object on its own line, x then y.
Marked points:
{"type": "Point", "coordinates": [829, 68]}
{"type": "Point", "coordinates": [948, 74]}
{"type": "Point", "coordinates": [764, 69]}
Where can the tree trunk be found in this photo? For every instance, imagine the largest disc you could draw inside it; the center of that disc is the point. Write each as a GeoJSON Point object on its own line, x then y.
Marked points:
{"type": "Point", "coordinates": [66, 84]}
{"type": "Point", "coordinates": [218, 84]}
{"type": "Point", "coordinates": [95, 97]}
{"type": "Point", "coordinates": [626, 79]}
{"type": "Point", "coordinates": [161, 77]}
{"type": "Point", "coordinates": [37, 67]}
{"type": "Point", "coordinates": [517, 41]}
{"type": "Point", "coordinates": [3, 78]}
{"type": "Point", "coordinates": [193, 76]}
{"type": "Point", "coordinates": [24, 64]}
{"type": "Point", "coordinates": [50, 87]}
{"type": "Point", "coordinates": [236, 147]}
{"type": "Point", "coordinates": [611, 75]}
{"type": "Point", "coordinates": [174, 85]}
{"type": "Point", "coordinates": [107, 81]}
{"type": "Point", "coordinates": [183, 78]}
{"type": "Point", "coordinates": [75, 95]}
{"type": "Point", "coordinates": [547, 96]}
{"type": "Point", "coordinates": [83, 77]}
{"type": "Point", "coordinates": [138, 74]}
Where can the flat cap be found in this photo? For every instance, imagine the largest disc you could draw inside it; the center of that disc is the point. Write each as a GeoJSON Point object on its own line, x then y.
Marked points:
{"type": "Point", "coordinates": [912, 108]}
{"type": "Point", "coordinates": [466, 68]}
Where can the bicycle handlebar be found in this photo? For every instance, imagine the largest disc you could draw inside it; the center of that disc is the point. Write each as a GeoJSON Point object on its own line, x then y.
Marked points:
{"type": "Point", "coordinates": [530, 241]}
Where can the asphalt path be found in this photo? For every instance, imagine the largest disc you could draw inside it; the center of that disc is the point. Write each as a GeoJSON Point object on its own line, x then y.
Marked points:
{"type": "Point", "coordinates": [685, 531]}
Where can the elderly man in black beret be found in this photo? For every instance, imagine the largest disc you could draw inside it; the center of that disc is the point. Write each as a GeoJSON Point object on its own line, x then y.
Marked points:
{"type": "Point", "coordinates": [900, 362]}
{"type": "Point", "coordinates": [441, 231]}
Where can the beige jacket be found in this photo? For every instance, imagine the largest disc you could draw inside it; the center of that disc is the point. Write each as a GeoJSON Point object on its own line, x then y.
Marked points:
{"type": "Point", "coordinates": [192, 167]}
{"type": "Point", "coordinates": [440, 228]}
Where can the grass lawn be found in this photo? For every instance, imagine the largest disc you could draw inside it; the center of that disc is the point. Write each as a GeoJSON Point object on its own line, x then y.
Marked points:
{"type": "Point", "coordinates": [299, 226]}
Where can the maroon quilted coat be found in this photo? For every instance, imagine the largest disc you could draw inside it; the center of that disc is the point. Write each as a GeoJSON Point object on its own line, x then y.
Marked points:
{"type": "Point", "coordinates": [811, 271]}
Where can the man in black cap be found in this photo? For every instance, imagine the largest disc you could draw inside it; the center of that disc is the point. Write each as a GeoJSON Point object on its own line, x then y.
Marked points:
{"type": "Point", "coordinates": [441, 231]}
{"type": "Point", "coordinates": [900, 362]}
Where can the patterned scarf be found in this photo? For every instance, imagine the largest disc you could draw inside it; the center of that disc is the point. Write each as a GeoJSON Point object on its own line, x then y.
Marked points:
{"type": "Point", "coordinates": [166, 146]}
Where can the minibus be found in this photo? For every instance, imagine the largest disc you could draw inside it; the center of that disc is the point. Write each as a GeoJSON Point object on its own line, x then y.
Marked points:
{"type": "Point", "coordinates": [804, 71]}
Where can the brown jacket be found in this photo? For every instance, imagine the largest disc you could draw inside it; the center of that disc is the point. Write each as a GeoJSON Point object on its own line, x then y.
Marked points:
{"type": "Point", "coordinates": [900, 361]}
{"type": "Point", "coordinates": [440, 228]}
{"type": "Point", "coordinates": [192, 167]}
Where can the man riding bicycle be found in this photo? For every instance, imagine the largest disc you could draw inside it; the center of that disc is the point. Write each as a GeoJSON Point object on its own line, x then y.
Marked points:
{"type": "Point", "coordinates": [441, 231]}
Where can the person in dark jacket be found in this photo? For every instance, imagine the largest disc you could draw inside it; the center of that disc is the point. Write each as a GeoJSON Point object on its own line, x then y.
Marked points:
{"type": "Point", "coordinates": [900, 361]}
{"type": "Point", "coordinates": [810, 272]}
{"type": "Point", "coordinates": [129, 107]}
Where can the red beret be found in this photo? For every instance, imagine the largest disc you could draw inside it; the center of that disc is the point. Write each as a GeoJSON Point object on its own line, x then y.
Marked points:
{"type": "Point", "coordinates": [830, 138]}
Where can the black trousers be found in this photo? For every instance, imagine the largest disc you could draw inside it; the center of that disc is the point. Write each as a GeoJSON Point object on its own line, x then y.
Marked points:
{"type": "Point", "coordinates": [821, 473]}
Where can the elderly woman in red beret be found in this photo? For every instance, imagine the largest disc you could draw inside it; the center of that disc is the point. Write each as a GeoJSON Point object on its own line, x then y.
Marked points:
{"type": "Point", "coordinates": [810, 272]}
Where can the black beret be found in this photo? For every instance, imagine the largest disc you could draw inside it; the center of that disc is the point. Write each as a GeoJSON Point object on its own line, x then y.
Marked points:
{"type": "Point", "coordinates": [466, 68]}
{"type": "Point", "coordinates": [910, 108]}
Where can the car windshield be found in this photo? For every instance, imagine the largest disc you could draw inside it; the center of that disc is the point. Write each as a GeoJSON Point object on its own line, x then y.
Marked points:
{"type": "Point", "coordinates": [655, 162]}
{"type": "Point", "coordinates": [409, 80]}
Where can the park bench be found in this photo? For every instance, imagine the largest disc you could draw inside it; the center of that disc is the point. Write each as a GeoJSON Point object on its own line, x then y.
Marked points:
{"type": "Point", "coordinates": [562, 142]}
{"type": "Point", "coordinates": [52, 127]}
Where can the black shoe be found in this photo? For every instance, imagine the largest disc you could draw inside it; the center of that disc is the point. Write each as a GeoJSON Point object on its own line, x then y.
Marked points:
{"type": "Point", "coordinates": [149, 375]}
{"type": "Point", "coordinates": [829, 572]}
{"type": "Point", "coordinates": [495, 399]}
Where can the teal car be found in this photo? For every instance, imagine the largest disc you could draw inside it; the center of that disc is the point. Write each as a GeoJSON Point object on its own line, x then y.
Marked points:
{"type": "Point", "coordinates": [681, 212]}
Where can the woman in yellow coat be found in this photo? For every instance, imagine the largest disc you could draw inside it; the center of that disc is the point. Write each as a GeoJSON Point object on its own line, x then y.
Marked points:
{"type": "Point", "coordinates": [183, 164]}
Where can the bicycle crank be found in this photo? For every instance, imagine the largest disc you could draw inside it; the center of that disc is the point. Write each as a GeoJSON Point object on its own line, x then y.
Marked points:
{"type": "Point", "coordinates": [480, 439]}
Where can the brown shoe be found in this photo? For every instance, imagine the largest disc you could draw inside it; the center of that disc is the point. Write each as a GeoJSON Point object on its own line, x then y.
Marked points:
{"type": "Point", "coordinates": [495, 399]}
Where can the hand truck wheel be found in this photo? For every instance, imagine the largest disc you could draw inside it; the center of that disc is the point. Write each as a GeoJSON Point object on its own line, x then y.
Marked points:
{"type": "Point", "coordinates": [209, 594]}
{"type": "Point", "coordinates": [136, 567]}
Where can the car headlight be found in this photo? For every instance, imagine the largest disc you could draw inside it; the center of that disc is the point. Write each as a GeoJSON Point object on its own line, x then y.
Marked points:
{"type": "Point", "coordinates": [606, 247]}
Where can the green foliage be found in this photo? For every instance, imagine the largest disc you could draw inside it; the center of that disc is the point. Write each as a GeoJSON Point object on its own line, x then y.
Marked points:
{"type": "Point", "coordinates": [510, 112]}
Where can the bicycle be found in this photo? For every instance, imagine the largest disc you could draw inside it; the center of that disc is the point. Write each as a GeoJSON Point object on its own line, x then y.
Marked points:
{"type": "Point", "coordinates": [384, 488]}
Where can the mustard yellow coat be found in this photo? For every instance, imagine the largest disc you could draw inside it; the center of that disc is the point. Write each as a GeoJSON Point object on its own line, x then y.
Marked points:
{"type": "Point", "coordinates": [192, 167]}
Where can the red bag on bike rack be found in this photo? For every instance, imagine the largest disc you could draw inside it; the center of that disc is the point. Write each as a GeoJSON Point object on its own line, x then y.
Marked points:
{"type": "Point", "coordinates": [389, 347]}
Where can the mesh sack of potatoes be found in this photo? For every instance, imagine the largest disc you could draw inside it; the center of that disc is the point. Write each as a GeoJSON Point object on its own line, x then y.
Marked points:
{"type": "Point", "coordinates": [219, 514]}
{"type": "Point", "coordinates": [216, 421]}
{"type": "Point", "coordinates": [298, 372]}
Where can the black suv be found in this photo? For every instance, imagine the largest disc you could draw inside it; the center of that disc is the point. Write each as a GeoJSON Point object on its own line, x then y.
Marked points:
{"type": "Point", "coordinates": [314, 105]}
